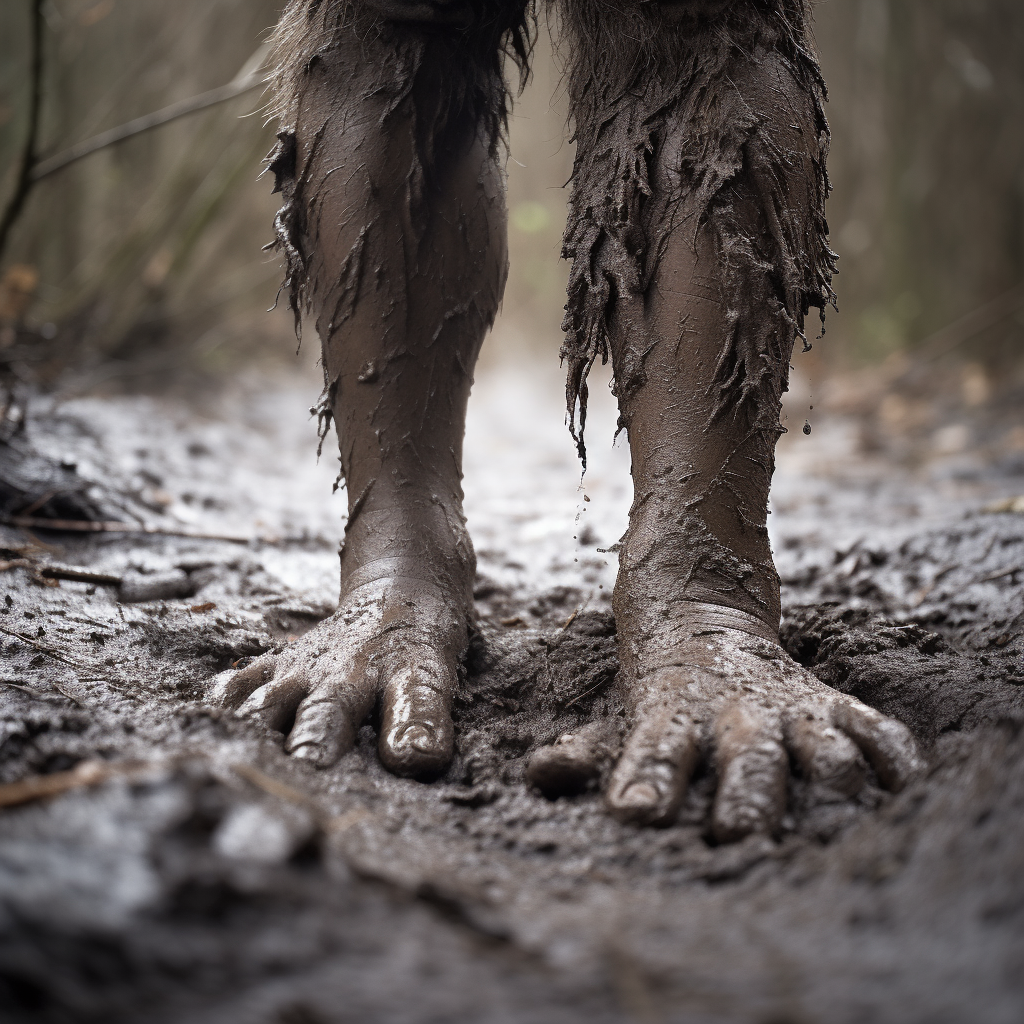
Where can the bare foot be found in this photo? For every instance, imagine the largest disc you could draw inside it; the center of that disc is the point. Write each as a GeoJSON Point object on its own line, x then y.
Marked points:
{"type": "Point", "coordinates": [397, 640]}
{"type": "Point", "coordinates": [714, 682]}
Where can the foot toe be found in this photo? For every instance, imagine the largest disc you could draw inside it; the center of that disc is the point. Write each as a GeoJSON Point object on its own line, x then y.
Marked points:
{"type": "Point", "coordinates": [274, 703]}
{"type": "Point", "coordinates": [887, 743]}
{"type": "Point", "coordinates": [416, 749]}
{"type": "Point", "coordinates": [826, 755]}
{"type": "Point", "coordinates": [231, 688]}
{"type": "Point", "coordinates": [752, 766]}
{"type": "Point", "coordinates": [650, 780]}
{"type": "Point", "coordinates": [417, 736]}
{"type": "Point", "coordinates": [325, 727]}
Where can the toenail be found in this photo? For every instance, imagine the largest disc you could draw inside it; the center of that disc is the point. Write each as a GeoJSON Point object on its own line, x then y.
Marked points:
{"type": "Point", "coordinates": [419, 737]}
{"type": "Point", "coordinates": [639, 794]}
{"type": "Point", "coordinates": [306, 752]}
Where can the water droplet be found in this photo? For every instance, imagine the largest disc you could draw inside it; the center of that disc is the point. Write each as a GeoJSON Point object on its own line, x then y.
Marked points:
{"type": "Point", "coordinates": [807, 427]}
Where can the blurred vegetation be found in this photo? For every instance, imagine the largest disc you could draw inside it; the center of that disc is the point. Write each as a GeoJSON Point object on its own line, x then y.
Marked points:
{"type": "Point", "coordinates": [927, 114]}
{"type": "Point", "coordinates": [153, 244]}
{"type": "Point", "coordinates": [149, 252]}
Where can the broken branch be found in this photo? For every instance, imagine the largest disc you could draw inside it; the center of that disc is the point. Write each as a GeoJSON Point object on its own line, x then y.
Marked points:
{"type": "Point", "coordinates": [99, 526]}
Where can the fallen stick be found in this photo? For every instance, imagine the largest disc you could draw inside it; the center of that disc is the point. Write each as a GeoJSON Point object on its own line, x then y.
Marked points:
{"type": "Point", "coordinates": [330, 823]}
{"type": "Point", "coordinates": [999, 575]}
{"type": "Point", "coordinates": [16, 563]}
{"type": "Point", "coordinates": [42, 648]}
{"type": "Point", "coordinates": [275, 787]}
{"type": "Point", "coordinates": [91, 526]}
{"type": "Point", "coordinates": [1014, 504]}
{"type": "Point", "coordinates": [87, 773]}
{"type": "Point", "coordinates": [63, 572]}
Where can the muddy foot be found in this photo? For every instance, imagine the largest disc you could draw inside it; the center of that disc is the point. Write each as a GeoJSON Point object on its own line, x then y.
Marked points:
{"type": "Point", "coordinates": [726, 690]}
{"type": "Point", "coordinates": [715, 691]}
{"type": "Point", "coordinates": [398, 641]}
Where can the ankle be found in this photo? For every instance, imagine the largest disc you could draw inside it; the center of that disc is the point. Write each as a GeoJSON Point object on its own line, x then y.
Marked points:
{"type": "Point", "coordinates": [672, 556]}
{"type": "Point", "coordinates": [428, 542]}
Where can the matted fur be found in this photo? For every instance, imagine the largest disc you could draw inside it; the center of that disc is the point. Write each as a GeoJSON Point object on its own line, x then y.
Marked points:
{"type": "Point", "coordinates": [491, 29]}
{"type": "Point", "coordinates": [634, 70]}
{"type": "Point", "coordinates": [482, 34]}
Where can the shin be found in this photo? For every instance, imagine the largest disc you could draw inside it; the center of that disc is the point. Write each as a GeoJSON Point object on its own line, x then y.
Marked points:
{"type": "Point", "coordinates": [697, 236]}
{"type": "Point", "coordinates": [394, 225]}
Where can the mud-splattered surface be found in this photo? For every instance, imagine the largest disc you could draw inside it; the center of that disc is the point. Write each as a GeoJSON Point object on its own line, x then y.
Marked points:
{"type": "Point", "coordinates": [203, 876]}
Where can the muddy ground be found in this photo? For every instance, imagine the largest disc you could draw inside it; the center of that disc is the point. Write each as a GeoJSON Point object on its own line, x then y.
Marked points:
{"type": "Point", "coordinates": [192, 872]}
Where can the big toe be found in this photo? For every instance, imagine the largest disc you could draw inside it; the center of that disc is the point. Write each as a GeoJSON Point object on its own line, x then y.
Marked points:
{"type": "Point", "coordinates": [417, 736]}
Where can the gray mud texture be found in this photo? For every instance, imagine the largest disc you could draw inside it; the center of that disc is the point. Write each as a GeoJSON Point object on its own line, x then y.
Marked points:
{"type": "Point", "coordinates": [190, 871]}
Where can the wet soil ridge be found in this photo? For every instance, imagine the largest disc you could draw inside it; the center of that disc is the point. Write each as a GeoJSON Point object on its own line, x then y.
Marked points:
{"type": "Point", "coordinates": [183, 867]}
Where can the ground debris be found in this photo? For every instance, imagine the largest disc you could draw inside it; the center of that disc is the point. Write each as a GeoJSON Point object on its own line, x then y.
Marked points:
{"type": "Point", "coordinates": [225, 882]}
{"type": "Point", "coordinates": [86, 773]}
{"type": "Point", "coordinates": [1014, 504]}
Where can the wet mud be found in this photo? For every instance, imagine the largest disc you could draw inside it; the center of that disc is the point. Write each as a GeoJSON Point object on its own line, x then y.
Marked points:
{"type": "Point", "coordinates": [182, 867]}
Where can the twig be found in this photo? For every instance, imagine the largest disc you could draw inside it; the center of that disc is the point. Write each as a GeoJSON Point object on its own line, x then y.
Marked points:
{"type": "Point", "coordinates": [16, 563]}
{"type": "Point", "coordinates": [282, 791]}
{"type": "Point", "coordinates": [63, 572]}
{"type": "Point", "coordinates": [274, 786]}
{"type": "Point", "coordinates": [25, 179]}
{"type": "Point", "coordinates": [88, 773]}
{"type": "Point", "coordinates": [999, 575]}
{"type": "Point", "coordinates": [39, 647]}
{"type": "Point", "coordinates": [94, 526]}
{"type": "Point", "coordinates": [24, 689]}
{"type": "Point", "coordinates": [1015, 504]}
{"type": "Point", "coordinates": [585, 693]}
{"type": "Point", "coordinates": [971, 324]}
{"type": "Point", "coordinates": [247, 79]}
{"type": "Point", "coordinates": [579, 610]}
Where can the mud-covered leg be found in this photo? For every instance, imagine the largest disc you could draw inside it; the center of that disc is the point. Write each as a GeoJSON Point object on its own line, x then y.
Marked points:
{"type": "Point", "coordinates": [698, 243]}
{"type": "Point", "coordinates": [394, 231]}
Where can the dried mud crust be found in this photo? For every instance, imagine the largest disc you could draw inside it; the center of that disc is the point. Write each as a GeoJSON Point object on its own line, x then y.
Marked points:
{"type": "Point", "coordinates": [210, 877]}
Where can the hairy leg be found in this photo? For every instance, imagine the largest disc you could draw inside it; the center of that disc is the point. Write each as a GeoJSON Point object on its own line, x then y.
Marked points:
{"type": "Point", "coordinates": [698, 243]}
{"type": "Point", "coordinates": [394, 229]}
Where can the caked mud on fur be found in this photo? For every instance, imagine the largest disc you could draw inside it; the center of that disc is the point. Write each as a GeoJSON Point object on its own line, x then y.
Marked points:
{"type": "Point", "coordinates": [482, 33]}
{"type": "Point", "coordinates": [635, 72]}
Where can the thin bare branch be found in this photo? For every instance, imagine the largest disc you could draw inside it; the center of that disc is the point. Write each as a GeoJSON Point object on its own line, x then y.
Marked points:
{"type": "Point", "coordinates": [248, 78]}
{"type": "Point", "coordinates": [99, 526]}
{"type": "Point", "coordinates": [25, 179]}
